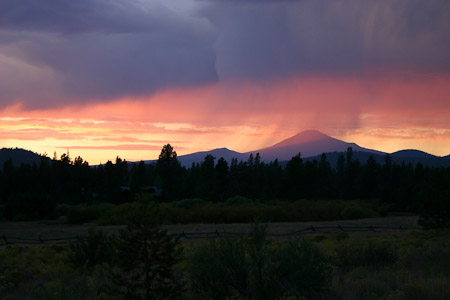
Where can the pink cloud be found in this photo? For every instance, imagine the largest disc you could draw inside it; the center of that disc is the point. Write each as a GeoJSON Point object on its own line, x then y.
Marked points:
{"type": "Point", "coordinates": [389, 105]}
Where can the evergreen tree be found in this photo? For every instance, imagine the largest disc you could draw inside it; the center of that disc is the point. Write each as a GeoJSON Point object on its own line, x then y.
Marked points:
{"type": "Point", "coordinates": [144, 259]}
{"type": "Point", "coordinates": [294, 172]}
{"type": "Point", "coordinates": [207, 182]}
{"type": "Point", "coordinates": [169, 171]}
{"type": "Point", "coordinates": [222, 179]}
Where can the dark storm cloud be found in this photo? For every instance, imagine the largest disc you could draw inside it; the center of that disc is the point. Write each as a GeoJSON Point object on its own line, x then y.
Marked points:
{"type": "Point", "coordinates": [89, 50]}
{"type": "Point", "coordinates": [54, 52]}
{"type": "Point", "coordinates": [272, 39]}
{"type": "Point", "coordinates": [68, 16]}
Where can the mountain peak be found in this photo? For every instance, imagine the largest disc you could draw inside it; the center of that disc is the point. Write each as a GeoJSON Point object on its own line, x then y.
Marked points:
{"type": "Point", "coordinates": [302, 137]}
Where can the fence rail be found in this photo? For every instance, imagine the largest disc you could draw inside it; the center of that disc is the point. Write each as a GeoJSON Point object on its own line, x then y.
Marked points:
{"type": "Point", "coordinates": [11, 240]}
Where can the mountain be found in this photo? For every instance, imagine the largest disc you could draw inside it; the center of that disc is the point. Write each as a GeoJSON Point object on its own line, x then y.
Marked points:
{"type": "Point", "coordinates": [308, 143]}
{"type": "Point", "coordinates": [311, 144]}
{"type": "Point", "coordinates": [19, 156]}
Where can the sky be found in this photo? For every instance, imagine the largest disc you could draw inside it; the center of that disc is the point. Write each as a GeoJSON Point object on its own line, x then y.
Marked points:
{"type": "Point", "coordinates": [107, 78]}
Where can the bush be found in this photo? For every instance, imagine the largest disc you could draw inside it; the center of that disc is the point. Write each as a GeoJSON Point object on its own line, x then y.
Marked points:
{"type": "Point", "coordinates": [434, 202]}
{"type": "Point", "coordinates": [188, 203]}
{"type": "Point", "coordinates": [87, 213]}
{"type": "Point", "coordinates": [255, 268]}
{"type": "Point", "coordinates": [92, 250]}
{"type": "Point", "coordinates": [302, 269]}
{"type": "Point", "coordinates": [62, 209]}
{"type": "Point", "coordinates": [352, 212]}
{"type": "Point", "coordinates": [357, 212]}
{"type": "Point", "coordinates": [373, 253]}
{"type": "Point", "coordinates": [117, 215]}
{"type": "Point", "coordinates": [40, 272]}
{"type": "Point", "coordinates": [237, 200]}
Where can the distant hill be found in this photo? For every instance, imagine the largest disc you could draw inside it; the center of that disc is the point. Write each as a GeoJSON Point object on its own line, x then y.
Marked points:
{"type": "Point", "coordinates": [404, 156]}
{"type": "Point", "coordinates": [19, 156]}
{"type": "Point", "coordinates": [361, 156]}
{"type": "Point", "coordinates": [228, 155]}
{"type": "Point", "coordinates": [415, 156]}
{"type": "Point", "coordinates": [411, 153]}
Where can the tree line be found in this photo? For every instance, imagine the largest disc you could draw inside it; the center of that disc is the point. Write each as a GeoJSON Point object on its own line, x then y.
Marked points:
{"type": "Point", "coordinates": [33, 191]}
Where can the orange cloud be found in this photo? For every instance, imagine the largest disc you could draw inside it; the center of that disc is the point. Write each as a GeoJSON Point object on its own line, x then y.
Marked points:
{"type": "Point", "coordinates": [382, 110]}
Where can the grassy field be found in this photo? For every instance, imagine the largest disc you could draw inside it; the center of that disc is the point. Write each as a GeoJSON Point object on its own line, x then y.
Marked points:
{"type": "Point", "coordinates": [383, 264]}
{"type": "Point", "coordinates": [47, 230]}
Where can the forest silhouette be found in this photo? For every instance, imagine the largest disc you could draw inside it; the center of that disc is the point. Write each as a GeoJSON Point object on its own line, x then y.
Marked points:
{"type": "Point", "coordinates": [33, 191]}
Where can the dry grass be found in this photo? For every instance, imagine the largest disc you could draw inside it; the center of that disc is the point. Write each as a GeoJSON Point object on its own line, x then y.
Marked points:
{"type": "Point", "coordinates": [47, 230]}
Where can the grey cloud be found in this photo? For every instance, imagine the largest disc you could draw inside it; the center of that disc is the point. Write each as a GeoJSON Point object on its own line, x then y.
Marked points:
{"type": "Point", "coordinates": [54, 52]}
{"type": "Point", "coordinates": [96, 49]}
{"type": "Point", "coordinates": [71, 17]}
{"type": "Point", "coordinates": [278, 39]}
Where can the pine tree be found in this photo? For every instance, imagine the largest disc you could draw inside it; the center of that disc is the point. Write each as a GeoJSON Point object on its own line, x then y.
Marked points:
{"type": "Point", "coordinates": [169, 171]}
{"type": "Point", "coordinates": [144, 260]}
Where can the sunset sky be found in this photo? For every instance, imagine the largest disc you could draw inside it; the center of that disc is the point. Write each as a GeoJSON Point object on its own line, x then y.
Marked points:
{"type": "Point", "coordinates": [107, 78]}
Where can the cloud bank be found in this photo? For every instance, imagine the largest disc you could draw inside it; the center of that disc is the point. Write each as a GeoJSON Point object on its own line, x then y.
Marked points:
{"type": "Point", "coordinates": [56, 53]}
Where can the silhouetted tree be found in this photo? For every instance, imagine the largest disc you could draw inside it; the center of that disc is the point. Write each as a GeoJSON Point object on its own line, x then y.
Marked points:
{"type": "Point", "coordinates": [169, 171]}
{"type": "Point", "coordinates": [294, 172]}
{"type": "Point", "coordinates": [145, 257]}
{"type": "Point", "coordinates": [222, 179]}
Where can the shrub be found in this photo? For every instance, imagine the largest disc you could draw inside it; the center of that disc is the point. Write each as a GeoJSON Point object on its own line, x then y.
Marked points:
{"type": "Point", "coordinates": [91, 250]}
{"type": "Point", "coordinates": [117, 215]}
{"type": "Point", "coordinates": [188, 203]}
{"type": "Point", "coordinates": [435, 206]}
{"type": "Point", "coordinates": [40, 272]}
{"type": "Point", "coordinates": [302, 269]}
{"type": "Point", "coordinates": [62, 209]}
{"type": "Point", "coordinates": [86, 213]}
{"type": "Point", "coordinates": [237, 200]}
{"type": "Point", "coordinates": [373, 253]}
{"type": "Point", "coordinates": [352, 212]}
{"type": "Point", "coordinates": [255, 268]}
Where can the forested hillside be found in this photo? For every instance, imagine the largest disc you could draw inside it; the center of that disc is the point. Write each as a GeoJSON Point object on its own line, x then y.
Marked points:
{"type": "Point", "coordinates": [32, 191]}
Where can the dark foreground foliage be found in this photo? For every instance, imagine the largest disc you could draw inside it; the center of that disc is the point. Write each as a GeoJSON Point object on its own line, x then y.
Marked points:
{"type": "Point", "coordinates": [144, 259]}
{"type": "Point", "coordinates": [411, 266]}
{"type": "Point", "coordinates": [257, 269]}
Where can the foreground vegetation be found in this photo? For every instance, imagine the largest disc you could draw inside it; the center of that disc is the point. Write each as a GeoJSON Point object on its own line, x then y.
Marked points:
{"type": "Point", "coordinates": [144, 262]}
{"type": "Point", "coordinates": [235, 210]}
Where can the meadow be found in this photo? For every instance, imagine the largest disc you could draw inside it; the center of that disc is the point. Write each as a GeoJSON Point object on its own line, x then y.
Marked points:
{"type": "Point", "coordinates": [407, 264]}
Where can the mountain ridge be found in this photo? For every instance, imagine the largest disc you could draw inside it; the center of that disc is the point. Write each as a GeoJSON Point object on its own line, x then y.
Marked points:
{"type": "Point", "coordinates": [310, 144]}
{"type": "Point", "coordinates": [19, 156]}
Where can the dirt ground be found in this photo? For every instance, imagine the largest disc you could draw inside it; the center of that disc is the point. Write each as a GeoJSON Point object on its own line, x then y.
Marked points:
{"type": "Point", "coordinates": [53, 230]}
